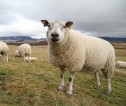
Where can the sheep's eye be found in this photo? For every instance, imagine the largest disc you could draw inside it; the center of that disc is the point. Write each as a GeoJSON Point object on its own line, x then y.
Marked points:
{"type": "Point", "coordinates": [63, 27]}
{"type": "Point", "coordinates": [49, 27]}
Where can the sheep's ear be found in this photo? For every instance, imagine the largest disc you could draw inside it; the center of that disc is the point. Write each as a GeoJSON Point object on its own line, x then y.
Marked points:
{"type": "Point", "coordinates": [69, 24]}
{"type": "Point", "coordinates": [45, 22]}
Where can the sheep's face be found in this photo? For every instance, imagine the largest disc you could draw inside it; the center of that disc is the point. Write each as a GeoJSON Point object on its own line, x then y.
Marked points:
{"type": "Point", "coordinates": [56, 30]}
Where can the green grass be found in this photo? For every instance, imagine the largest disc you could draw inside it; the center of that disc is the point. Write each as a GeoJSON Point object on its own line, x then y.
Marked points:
{"type": "Point", "coordinates": [35, 84]}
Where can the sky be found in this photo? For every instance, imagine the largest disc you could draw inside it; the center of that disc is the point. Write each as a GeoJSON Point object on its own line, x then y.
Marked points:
{"type": "Point", "coordinates": [92, 17]}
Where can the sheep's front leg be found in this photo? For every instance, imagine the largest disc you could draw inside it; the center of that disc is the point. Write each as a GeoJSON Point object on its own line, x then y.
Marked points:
{"type": "Point", "coordinates": [97, 80]}
{"type": "Point", "coordinates": [28, 59]}
{"type": "Point", "coordinates": [24, 58]}
{"type": "Point", "coordinates": [62, 84]}
{"type": "Point", "coordinates": [4, 57]}
{"type": "Point", "coordinates": [70, 88]}
{"type": "Point", "coordinates": [7, 58]}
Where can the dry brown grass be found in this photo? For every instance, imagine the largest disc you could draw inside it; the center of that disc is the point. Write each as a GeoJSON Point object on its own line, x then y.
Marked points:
{"type": "Point", "coordinates": [35, 84]}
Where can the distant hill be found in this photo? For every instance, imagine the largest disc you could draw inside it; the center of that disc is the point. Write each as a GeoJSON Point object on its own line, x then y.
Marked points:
{"type": "Point", "coordinates": [114, 39]}
{"type": "Point", "coordinates": [16, 38]}
{"type": "Point", "coordinates": [23, 38]}
{"type": "Point", "coordinates": [19, 38]}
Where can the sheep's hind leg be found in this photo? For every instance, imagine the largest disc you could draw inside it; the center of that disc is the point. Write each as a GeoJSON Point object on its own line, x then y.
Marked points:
{"type": "Point", "coordinates": [109, 86]}
{"type": "Point", "coordinates": [109, 89]}
{"type": "Point", "coordinates": [97, 80]}
{"type": "Point", "coordinates": [70, 88]}
{"type": "Point", "coordinates": [61, 87]}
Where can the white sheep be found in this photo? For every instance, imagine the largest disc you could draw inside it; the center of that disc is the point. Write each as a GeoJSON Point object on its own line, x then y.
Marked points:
{"type": "Point", "coordinates": [76, 51]}
{"type": "Point", "coordinates": [26, 58]}
{"type": "Point", "coordinates": [17, 54]}
{"type": "Point", "coordinates": [121, 64]}
{"type": "Point", "coordinates": [4, 50]}
{"type": "Point", "coordinates": [24, 50]}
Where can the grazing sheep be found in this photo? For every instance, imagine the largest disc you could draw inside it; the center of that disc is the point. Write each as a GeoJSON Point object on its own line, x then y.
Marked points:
{"type": "Point", "coordinates": [4, 50]}
{"type": "Point", "coordinates": [31, 58]}
{"type": "Point", "coordinates": [76, 51]}
{"type": "Point", "coordinates": [17, 54]}
{"type": "Point", "coordinates": [23, 51]}
{"type": "Point", "coordinates": [121, 64]}
{"type": "Point", "coordinates": [26, 58]}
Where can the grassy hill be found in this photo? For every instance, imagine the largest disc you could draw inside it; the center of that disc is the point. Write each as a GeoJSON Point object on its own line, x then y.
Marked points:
{"type": "Point", "coordinates": [35, 84]}
{"type": "Point", "coordinates": [114, 39]}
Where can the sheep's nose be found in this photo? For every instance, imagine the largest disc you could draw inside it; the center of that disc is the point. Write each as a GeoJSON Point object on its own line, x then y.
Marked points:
{"type": "Point", "coordinates": [55, 35]}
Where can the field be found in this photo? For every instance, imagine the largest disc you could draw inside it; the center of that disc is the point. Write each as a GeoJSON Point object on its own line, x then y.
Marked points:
{"type": "Point", "coordinates": [35, 83]}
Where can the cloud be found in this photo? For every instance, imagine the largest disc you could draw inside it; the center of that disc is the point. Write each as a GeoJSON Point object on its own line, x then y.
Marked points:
{"type": "Point", "coordinates": [22, 26]}
{"type": "Point", "coordinates": [93, 17]}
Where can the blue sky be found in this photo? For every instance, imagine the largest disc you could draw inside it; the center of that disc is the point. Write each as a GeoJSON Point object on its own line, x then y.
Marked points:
{"type": "Point", "coordinates": [93, 17]}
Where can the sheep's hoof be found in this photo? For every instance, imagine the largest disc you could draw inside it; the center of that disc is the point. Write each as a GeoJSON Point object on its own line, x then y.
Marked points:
{"type": "Point", "coordinates": [69, 92]}
{"type": "Point", "coordinates": [98, 87]}
{"type": "Point", "coordinates": [61, 88]}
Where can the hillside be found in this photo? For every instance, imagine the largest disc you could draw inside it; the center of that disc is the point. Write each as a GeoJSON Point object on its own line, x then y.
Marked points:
{"type": "Point", "coordinates": [19, 38]}
{"type": "Point", "coordinates": [23, 38]}
{"type": "Point", "coordinates": [114, 39]}
{"type": "Point", "coordinates": [16, 38]}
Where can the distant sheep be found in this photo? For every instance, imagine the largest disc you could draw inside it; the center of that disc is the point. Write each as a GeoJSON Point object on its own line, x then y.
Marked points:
{"type": "Point", "coordinates": [76, 51]}
{"type": "Point", "coordinates": [26, 58]}
{"type": "Point", "coordinates": [4, 50]}
{"type": "Point", "coordinates": [23, 51]}
{"type": "Point", "coordinates": [121, 64]}
{"type": "Point", "coordinates": [17, 54]}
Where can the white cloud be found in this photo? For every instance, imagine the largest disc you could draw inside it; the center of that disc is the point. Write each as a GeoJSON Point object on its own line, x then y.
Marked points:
{"type": "Point", "coordinates": [42, 35]}
{"type": "Point", "coordinates": [97, 17]}
{"type": "Point", "coordinates": [23, 26]}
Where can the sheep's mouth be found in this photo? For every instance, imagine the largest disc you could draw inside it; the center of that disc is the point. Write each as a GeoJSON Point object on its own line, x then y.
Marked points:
{"type": "Point", "coordinates": [55, 39]}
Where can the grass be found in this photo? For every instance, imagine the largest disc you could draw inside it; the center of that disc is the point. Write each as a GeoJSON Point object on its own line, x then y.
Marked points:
{"type": "Point", "coordinates": [35, 84]}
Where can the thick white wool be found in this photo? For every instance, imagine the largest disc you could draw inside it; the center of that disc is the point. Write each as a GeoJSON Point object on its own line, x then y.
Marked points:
{"type": "Point", "coordinates": [4, 50]}
{"type": "Point", "coordinates": [24, 50]}
{"type": "Point", "coordinates": [121, 64]}
{"type": "Point", "coordinates": [17, 54]}
{"type": "Point", "coordinates": [78, 51]}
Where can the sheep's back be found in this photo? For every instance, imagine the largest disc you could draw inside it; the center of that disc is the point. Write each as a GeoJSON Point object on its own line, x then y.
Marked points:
{"type": "Point", "coordinates": [98, 52]}
{"type": "Point", "coordinates": [3, 47]}
{"type": "Point", "coordinates": [24, 49]}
